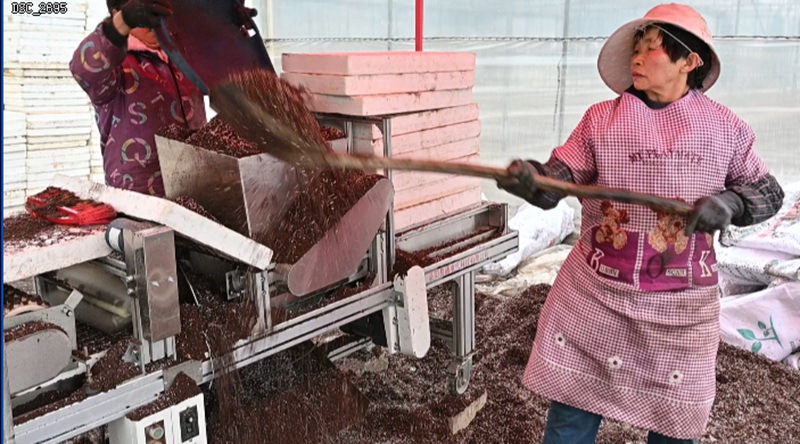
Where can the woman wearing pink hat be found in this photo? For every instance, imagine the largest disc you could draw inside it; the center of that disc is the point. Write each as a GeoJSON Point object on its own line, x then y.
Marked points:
{"type": "Point", "coordinates": [631, 327]}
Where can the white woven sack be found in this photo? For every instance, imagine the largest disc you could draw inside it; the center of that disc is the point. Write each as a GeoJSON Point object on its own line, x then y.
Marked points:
{"type": "Point", "coordinates": [766, 322]}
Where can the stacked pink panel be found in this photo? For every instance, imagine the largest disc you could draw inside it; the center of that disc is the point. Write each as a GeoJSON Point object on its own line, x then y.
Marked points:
{"type": "Point", "coordinates": [428, 96]}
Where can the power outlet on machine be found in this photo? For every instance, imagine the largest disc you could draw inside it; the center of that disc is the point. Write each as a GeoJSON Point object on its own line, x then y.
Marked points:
{"type": "Point", "coordinates": [189, 421]}
{"type": "Point", "coordinates": [189, 424]}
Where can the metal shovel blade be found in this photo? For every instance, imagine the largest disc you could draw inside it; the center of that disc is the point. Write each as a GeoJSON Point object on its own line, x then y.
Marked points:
{"type": "Point", "coordinates": [211, 39]}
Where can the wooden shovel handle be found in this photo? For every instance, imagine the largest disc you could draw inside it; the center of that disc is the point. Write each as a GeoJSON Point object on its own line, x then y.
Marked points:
{"type": "Point", "coordinates": [651, 201]}
{"type": "Point", "coordinates": [273, 136]}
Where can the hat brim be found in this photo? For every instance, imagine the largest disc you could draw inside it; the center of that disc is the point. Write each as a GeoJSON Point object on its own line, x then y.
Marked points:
{"type": "Point", "coordinates": [613, 63]}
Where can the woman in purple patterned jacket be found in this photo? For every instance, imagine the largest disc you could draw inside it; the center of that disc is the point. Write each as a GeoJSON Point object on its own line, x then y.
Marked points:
{"type": "Point", "coordinates": [630, 328]}
{"type": "Point", "coordinates": [135, 90]}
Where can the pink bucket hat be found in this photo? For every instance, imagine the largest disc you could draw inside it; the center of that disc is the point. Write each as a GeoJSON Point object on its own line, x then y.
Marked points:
{"type": "Point", "coordinates": [613, 63]}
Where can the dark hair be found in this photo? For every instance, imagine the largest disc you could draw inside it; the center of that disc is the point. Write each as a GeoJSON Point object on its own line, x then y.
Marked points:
{"type": "Point", "coordinates": [676, 51]}
{"type": "Point", "coordinates": [114, 4]}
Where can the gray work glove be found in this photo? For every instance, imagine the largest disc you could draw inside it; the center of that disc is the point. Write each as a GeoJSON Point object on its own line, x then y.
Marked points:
{"type": "Point", "coordinates": [714, 213]}
{"type": "Point", "coordinates": [145, 13]}
{"type": "Point", "coordinates": [522, 179]}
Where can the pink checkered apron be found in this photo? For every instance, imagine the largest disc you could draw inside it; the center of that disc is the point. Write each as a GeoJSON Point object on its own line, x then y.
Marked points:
{"type": "Point", "coordinates": [630, 328]}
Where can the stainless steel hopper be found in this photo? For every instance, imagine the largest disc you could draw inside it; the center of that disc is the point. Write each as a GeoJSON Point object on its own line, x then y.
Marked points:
{"type": "Point", "coordinates": [251, 195]}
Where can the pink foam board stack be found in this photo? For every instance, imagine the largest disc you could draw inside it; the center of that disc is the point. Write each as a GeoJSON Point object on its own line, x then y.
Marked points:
{"type": "Point", "coordinates": [427, 96]}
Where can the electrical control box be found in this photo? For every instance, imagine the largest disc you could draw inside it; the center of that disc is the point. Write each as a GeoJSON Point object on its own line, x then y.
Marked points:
{"type": "Point", "coordinates": [182, 423]}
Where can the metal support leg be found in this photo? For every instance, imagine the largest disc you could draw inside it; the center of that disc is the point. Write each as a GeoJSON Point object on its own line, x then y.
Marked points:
{"type": "Point", "coordinates": [463, 292]}
{"type": "Point", "coordinates": [386, 127]}
{"type": "Point", "coordinates": [464, 315]}
{"type": "Point", "coordinates": [8, 422]}
{"type": "Point", "coordinates": [379, 264]}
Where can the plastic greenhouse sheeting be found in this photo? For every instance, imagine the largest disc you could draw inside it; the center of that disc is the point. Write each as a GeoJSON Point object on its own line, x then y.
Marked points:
{"type": "Point", "coordinates": [536, 61]}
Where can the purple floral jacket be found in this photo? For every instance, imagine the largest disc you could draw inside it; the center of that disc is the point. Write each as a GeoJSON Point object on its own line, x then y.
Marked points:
{"type": "Point", "coordinates": [135, 91]}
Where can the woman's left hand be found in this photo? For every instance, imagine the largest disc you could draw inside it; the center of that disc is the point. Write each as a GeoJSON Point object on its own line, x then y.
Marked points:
{"type": "Point", "coordinates": [714, 213]}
